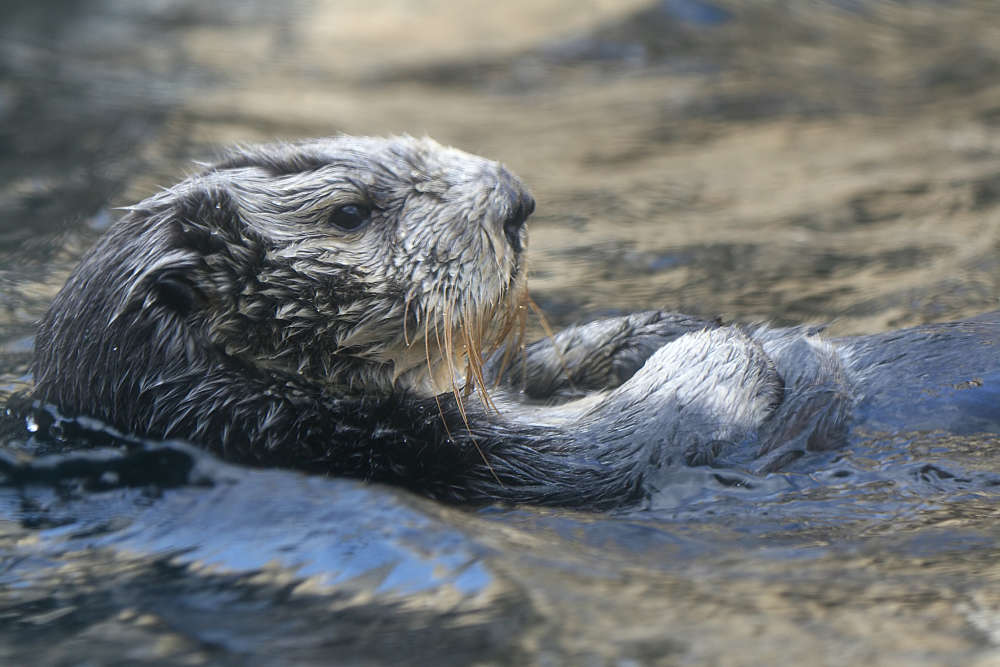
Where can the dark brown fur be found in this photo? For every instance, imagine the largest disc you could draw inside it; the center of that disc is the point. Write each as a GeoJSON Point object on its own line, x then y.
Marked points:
{"type": "Point", "coordinates": [229, 311]}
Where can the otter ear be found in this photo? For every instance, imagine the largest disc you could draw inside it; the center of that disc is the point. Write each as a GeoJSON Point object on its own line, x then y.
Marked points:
{"type": "Point", "coordinates": [168, 282]}
{"type": "Point", "coordinates": [175, 289]}
{"type": "Point", "coordinates": [179, 245]}
{"type": "Point", "coordinates": [199, 224]}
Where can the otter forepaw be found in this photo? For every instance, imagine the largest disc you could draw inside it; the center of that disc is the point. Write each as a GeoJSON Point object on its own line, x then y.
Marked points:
{"type": "Point", "coordinates": [596, 356]}
{"type": "Point", "coordinates": [712, 385]}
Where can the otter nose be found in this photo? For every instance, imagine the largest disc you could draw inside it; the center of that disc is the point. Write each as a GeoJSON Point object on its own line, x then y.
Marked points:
{"type": "Point", "coordinates": [523, 206]}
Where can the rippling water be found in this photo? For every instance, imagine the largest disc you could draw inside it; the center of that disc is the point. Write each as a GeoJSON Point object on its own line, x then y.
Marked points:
{"type": "Point", "coordinates": [833, 162]}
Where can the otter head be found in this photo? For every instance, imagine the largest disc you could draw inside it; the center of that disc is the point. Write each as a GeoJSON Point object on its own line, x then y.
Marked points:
{"type": "Point", "coordinates": [359, 263]}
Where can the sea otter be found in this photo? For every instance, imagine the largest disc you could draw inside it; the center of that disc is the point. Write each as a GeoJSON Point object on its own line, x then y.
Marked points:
{"type": "Point", "coordinates": [327, 305]}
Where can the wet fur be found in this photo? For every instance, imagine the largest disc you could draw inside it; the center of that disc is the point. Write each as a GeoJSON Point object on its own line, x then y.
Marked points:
{"type": "Point", "coordinates": [228, 312]}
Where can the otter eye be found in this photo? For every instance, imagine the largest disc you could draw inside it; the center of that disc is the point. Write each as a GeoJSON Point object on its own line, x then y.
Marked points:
{"type": "Point", "coordinates": [350, 217]}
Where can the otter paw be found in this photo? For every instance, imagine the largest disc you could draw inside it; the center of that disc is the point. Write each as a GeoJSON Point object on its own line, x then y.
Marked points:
{"type": "Point", "coordinates": [713, 385]}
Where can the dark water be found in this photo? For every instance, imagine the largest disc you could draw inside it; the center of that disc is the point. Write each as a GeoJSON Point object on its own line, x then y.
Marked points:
{"type": "Point", "coordinates": [795, 162]}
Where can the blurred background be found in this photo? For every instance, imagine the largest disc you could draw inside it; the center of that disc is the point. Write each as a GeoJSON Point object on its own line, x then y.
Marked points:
{"type": "Point", "coordinates": [821, 161]}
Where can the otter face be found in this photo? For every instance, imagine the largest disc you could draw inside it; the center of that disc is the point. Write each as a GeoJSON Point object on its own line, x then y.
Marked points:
{"type": "Point", "coordinates": [358, 262]}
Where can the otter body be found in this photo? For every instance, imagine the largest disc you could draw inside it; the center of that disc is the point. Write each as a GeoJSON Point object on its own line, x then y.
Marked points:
{"type": "Point", "coordinates": [320, 305]}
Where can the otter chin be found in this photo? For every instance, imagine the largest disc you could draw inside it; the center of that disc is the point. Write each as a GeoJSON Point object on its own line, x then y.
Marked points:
{"type": "Point", "coordinates": [330, 305]}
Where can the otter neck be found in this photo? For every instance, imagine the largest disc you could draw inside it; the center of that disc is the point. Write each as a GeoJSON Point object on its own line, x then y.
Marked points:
{"type": "Point", "coordinates": [410, 372]}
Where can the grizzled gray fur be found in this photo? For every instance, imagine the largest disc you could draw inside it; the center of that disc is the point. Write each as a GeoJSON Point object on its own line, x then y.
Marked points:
{"type": "Point", "coordinates": [312, 305]}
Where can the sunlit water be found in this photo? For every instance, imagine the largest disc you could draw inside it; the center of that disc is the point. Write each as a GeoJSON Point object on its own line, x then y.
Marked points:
{"type": "Point", "coordinates": [794, 162]}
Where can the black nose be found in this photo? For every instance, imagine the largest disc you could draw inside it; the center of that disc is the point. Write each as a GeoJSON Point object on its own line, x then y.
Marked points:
{"type": "Point", "coordinates": [524, 205]}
